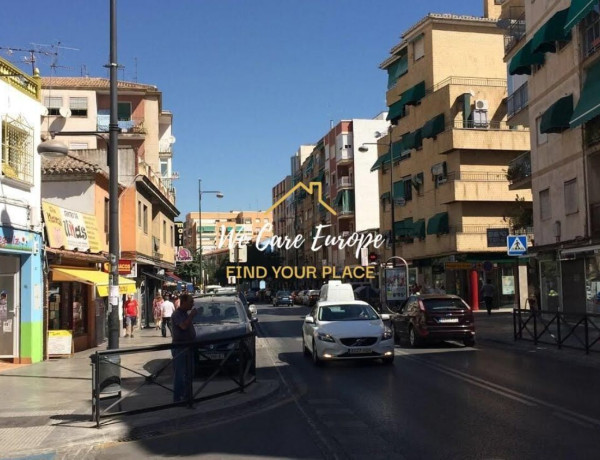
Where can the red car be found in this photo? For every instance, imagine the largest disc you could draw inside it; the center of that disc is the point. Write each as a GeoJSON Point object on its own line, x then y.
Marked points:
{"type": "Point", "coordinates": [434, 317]}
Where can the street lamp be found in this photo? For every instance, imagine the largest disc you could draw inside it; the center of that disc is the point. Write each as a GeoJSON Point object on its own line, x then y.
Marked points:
{"type": "Point", "coordinates": [200, 193]}
{"type": "Point", "coordinates": [364, 148]}
{"type": "Point", "coordinates": [56, 148]}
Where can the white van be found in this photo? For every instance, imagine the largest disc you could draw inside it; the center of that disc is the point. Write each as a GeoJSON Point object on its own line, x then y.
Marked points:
{"type": "Point", "coordinates": [336, 291]}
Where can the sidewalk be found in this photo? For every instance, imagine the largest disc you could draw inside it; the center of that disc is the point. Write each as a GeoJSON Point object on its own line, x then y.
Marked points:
{"type": "Point", "coordinates": [46, 407]}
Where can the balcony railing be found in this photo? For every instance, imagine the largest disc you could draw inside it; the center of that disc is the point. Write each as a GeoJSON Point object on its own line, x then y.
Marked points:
{"type": "Point", "coordinates": [519, 169]}
{"type": "Point", "coordinates": [344, 155]}
{"type": "Point", "coordinates": [488, 125]}
{"type": "Point", "coordinates": [518, 100]}
{"type": "Point", "coordinates": [515, 32]}
{"type": "Point", "coordinates": [147, 171]}
{"type": "Point", "coordinates": [18, 79]}
{"type": "Point", "coordinates": [592, 132]}
{"type": "Point", "coordinates": [131, 126]}
{"type": "Point", "coordinates": [467, 81]}
{"type": "Point", "coordinates": [165, 147]}
{"type": "Point", "coordinates": [476, 176]}
{"type": "Point", "coordinates": [345, 181]}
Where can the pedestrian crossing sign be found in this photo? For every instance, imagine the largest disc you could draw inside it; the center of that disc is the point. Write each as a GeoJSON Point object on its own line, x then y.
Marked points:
{"type": "Point", "coordinates": [516, 245]}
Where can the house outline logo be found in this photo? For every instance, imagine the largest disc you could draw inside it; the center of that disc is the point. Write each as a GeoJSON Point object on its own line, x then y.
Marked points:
{"type": "Point", "coordinates": [309, 189]}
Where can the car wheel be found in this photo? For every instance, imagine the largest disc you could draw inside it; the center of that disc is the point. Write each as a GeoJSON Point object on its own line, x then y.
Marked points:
{"type": "Point", "coordinates": [413, 338]}
{"type": "Point", "coordinates": [315, 357]}
{"type": "Point", "coordinates": [388, 361]}
{"type": "Point", "coordinates": [470, 342]}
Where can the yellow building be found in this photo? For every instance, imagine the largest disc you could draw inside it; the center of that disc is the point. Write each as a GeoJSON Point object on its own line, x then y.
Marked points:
{"type": "Point", "coordinates": [553, 58]}
{"type": "Point", "coordinates": [451, 146]}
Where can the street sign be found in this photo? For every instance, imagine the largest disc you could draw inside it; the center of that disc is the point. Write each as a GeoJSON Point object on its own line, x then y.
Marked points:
{"type": "Point", "coordinates": [516, 245]}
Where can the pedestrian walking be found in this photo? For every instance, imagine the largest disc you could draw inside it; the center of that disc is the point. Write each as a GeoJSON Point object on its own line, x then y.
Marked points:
{"type": "Point", "coordinates": [157, 311]}
{"type": "Point", "coordinates": [166, 311]}
{"type": "Point", "coordinates": [487, 292]}
{"type": "Point", "coordinates": [183, 331]}
{"type": "Point", "coordinates": [131, 313]}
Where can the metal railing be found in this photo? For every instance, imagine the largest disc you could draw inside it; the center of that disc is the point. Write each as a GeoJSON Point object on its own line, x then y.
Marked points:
{"type": "Point", "coordinates": [519, 168]}
{"type": "Point", "coordinates": [344, 155]}
{"type": "Point", "coordinates": [131, 126]}
{"type": "Point", "coordinates": [518, 100]}
{"type": "Point", "coordinates": [159, 182]}
{"type": "Point", "coordinates": [476, 176]}
{"type": "Point", "coordinates": [485, 126]}
{"type": "Point", "coordinates": [15, 77]}
{"type": "Point", "coordinates": [515, 33]}
{"type": "Point", "coordinates": [238, 364]}
{"type": "Point", "coordinates": [467, 81]}
{"type": "Point", "coordinates": [345, 181]}
{"type": "Point", "coordinates": [569, 330]}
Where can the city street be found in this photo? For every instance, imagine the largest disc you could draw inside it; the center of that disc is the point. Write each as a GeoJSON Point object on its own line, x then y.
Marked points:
{"type": "Point", "coordinates": [492, 401]}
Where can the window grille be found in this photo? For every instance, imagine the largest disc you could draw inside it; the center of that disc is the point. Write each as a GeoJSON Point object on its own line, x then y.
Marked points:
{"type": "Point", "coordinates": [17, 150]}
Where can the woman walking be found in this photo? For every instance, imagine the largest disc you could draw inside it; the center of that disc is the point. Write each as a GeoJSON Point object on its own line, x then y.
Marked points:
{"type": "Point", "coordinates": [157, 311]}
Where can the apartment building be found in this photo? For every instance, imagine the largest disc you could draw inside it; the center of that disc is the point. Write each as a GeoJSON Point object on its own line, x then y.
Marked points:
{"type": "Point", "coordinates": [280, 213]}
{"type": "Point", "coordinates": [450, 147]}
{"type": "Point", "coordinates": [340, 161]}
{"type": "Point", "coordinates": [553, 59]}
{"type": "Point", "coordinates": [21, 274]}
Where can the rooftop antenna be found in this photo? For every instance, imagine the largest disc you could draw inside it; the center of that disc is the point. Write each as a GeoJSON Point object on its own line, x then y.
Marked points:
{"type": "Point", "coordinates": [53, 50]}
{"type": "Point", "coordinates": [84, 71]}
{"type": "Point", "coordinates": [31, 59]}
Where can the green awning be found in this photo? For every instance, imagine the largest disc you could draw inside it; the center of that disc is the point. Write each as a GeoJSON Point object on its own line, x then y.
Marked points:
{"type": "Point", "coordinates": [556, 118]}
{"type": "Point", "coordinates": [409, 97]}
{"type": "Point", "coordinates": [385, 158]}
{"type": "Point", "coordinates": [544, 40]}
{"type": "Point", "coordinates": [438, 224]}
{"type": "Point", "coordinates": [319, 177]}
{"type": "Point", "coordinates": [385, 196]}
{"type": "Point", "coordinates": [396, 111]}
{"type": "Point", "coordinates": [398, 189]}
{"type": "Point", "coordinates": [399, 150]}
{"type": "Point", "coordinates": [345, 200]}
{"type": "Point", "coordinates": [578, 10]}
{"type": "Point", "coordinates": [418, 138]}
{"type": "Point", "coordinates": [434, 127]}
{"type": "Point", "coordinates": [419, 229]}
{"type": "Point", "coordinates": [208, 228]}
{"type": "Point", "coordinates": [588, 106]}
{"type": "Point", "coordinates": [403, 228]}
{"type": "Point", "coordinates": [396, 70]}
{"type": "Point", "coordinates": [409, 140]}
{"type": "Point", "coordinates": [522, 61]}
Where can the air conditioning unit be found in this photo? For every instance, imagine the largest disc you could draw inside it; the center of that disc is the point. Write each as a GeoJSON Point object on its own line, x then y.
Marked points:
{"type": "Point", "coordinates": [481, 104]}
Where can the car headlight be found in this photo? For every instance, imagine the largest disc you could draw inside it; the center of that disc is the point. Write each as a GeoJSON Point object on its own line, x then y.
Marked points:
{"type": "Point", "coordinates": [387, 334]}
{"type": "Point", "coordinates": [325, 337]}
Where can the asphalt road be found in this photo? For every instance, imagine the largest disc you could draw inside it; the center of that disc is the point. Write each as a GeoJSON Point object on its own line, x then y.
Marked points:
{"type": "Point", "coordinates": [440, 402]}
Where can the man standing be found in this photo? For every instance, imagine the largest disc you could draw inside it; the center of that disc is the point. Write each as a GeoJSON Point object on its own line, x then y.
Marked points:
{"type": "Point", "coordinates": [487, 292]}
{"type": "Point", "coordinates": [167, 308]}
{"type": "Point", "coordinates": [131, 313]}
{"type": "Point", "coordinates": [183, 331]}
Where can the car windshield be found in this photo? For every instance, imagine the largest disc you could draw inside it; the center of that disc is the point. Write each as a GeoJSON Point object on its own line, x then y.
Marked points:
{"type": "Point", "coordinates": [444, 304]}
{"type": "Point", "coordinates": [217, 313]}
{"type": "Point", "coordinates": [283, 293]}
{"type": "Point", "coordinates": [347, 313]}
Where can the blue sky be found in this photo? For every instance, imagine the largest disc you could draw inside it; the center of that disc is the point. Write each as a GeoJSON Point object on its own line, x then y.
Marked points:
{"type": "Point", "coordinates": [248, 82]}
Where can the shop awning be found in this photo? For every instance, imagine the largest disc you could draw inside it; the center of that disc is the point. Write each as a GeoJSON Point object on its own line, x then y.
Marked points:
{"type": "Point", "coordinates": [385, 158]}
{"type": "Point", "coordinates": [522, 61]}
{"type": "Point", "coordinates": [174, 277]}
{"type": "Point", "coordinates": [434, 127]}
{"type": "Point", "coordinates": [94, 277]}
{"type": "Point", "coordinates": [588, 106]}
{"type": "Point", "coordinates": [578, 10]}
{"type": "Point", "coordinates": [544, 40]}
{"type": "Point", "coordinates": [438, 224]}
{"type": "Point", "coordinates": [556, 118]}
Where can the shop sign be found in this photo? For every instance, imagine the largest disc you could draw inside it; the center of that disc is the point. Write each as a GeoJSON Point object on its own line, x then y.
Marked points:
{"type": "Point", "coordinates": [15, 240]}
{"type": "Point", "coordinates": [508, 285]}
{"type": "Point", "coordinates": [183, 255]}
{"type": "Point", "coordinates": [496, 237]}
{"type": "Point", "coordinates": [124, 267]}
{"type": "Point", "coordinates": [60, 343]}
{"type": "Point", "coordinates": [178, 233]}
{"type": "Point", "coordinates": [395, 284]}
{"type": "Point", "coordinates": [71, 230]}
{"type": "Point", "coordinates": [458, 266]}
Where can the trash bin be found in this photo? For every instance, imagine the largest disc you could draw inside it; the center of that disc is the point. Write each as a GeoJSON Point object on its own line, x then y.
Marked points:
{"type": "Point", "coordinates": [108, 374]}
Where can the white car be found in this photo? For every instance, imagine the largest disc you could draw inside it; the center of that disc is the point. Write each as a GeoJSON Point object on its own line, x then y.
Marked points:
{"type": "Point", "coordinates": [347, 330]}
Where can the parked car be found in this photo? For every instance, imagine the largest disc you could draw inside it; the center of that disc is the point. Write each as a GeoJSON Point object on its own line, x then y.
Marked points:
{"type": "Point", "coordinates": [302, 297]}
{"type": "Point", "coordinates": [347, 330]}
{"type": "Point", "coordinates": [294, 296]}
{"type": "Point", "coordinates": [312, 297]}
{"type": "Point", "coordinates": [252, 296]}
{"type": "Point", "coordinates": [434, 317]}
{"type": "Point", "coordinates": [221, 317]}
{"type": "Point", "coordinates": [283, 298]}
{"type": "Point", "coordinates": [250, 308]}
{"type": "Point", "coordinates": [336, 291]}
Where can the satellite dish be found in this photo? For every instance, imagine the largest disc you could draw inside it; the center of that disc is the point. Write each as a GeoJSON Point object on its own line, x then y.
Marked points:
{"type": "Point", "coordinates": [172, 139]}
{"type": "Point", "coordinates": [64, 112]}
{"type": "Point", "coordinates": [44, 111]}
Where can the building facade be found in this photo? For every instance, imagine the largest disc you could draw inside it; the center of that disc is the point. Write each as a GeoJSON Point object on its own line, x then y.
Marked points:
{"type": "Point", "coordinates": [21, 248]}
{"type": "Point", "coordinates": [450, 147]}
{"type": "Point", "coordinates": [553, 58]}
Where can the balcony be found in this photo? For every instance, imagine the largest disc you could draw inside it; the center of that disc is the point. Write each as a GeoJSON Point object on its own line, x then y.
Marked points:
{"type": "Point", "coordinates": [165, 148]}
{"type": "Point", "coordinates": [519, 172]}
{"type": "Point", "coordinates": [517, 102]}
{"type": "Point", "coordinates": [475, 186]}
{"type": "Point", "coordinates": [133, 126]}
{"type": "Point", "coordinates": [345, 182]}
{"type": "Point", "coordinates": [147, 171]}
{"type": "Point", "coordinates": [515, 25]}
{"type": "Point", "coordinates": [18, 79]}
{"type": "Point", "coordinates": [344, 156]}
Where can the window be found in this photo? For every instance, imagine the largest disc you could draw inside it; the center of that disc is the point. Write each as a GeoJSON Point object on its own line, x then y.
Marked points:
{"type": "Point", "coordinates": [124, 111]}
{"type": "Point", "coordinates": [164, 168]}
{"type": "Point", "coordinates": [145, 219]}
{"type": "Point", "coordinates": [571, 199]}
{"type": "Point", "coordinates": [17, 150]}
{"type": "Point", "coordinates": [139, 213]}
{"type": "Point", "coordinates": [53, 104]}
{"type": "Point", "coordinates": [106, 214]}
{"type": "Point", "coordinates": [419, 48]}
{"type": "Point", "coordinates": [248, 221]}
{"type": "Point", "coordinates": [545, 207]}
{"type": "Point", "coordinates": [542, 138]}
{"type": "Point", "coordinates": [590, 28]}
{"type": "Point", "coordinates": [78, 106]}
{"type": "Point", "coordinates": [439, 172]}
{"type": "Point", "coordinates": [257, 220]}
{"type": "Point", "coordinates": [407, 187]}
{"type": "Point", "coordinates": [164, 232]}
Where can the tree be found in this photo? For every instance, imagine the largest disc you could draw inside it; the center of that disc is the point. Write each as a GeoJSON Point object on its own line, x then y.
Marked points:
{"type": "Point", "coordinates": [521, 216]}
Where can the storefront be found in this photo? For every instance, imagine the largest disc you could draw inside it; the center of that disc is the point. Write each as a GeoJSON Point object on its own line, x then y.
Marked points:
{"type": "Point", "coordinates": [21, 286]}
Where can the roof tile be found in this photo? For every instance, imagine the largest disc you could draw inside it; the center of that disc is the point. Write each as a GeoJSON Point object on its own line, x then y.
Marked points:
{"type": "Point", "coordinates": [91, 83]}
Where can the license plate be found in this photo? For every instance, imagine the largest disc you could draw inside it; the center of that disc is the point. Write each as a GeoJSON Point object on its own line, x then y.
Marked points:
{"type": "Point", "coordinates": [448, 320]}
{"type": "Point", "coordinates": [213, 356]}
{"type": "Point", "coordinates": [359, 351]}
